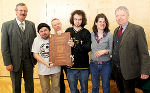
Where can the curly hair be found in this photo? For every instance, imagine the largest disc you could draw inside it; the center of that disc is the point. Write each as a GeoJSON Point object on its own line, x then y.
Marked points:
{"type": "Point", "coordinates": [106, 30]}
{"type": "Point", "coordinates": [79, 12]}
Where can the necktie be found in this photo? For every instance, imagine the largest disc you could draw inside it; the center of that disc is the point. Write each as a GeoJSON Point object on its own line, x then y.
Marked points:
{"type": "Point", "coordinates": [21, 26]}
{"type": "Point", "coordinates": [120, 32]}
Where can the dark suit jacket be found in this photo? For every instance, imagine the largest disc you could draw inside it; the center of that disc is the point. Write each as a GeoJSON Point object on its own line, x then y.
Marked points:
{"type": "Point", "coordinates": [11, 42]}
{"type": "Point", "coordinates": [133, 52]}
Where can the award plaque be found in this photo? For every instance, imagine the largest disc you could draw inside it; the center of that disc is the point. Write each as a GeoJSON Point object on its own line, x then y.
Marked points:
{"type": "Point", "coordinates": [59, 50]}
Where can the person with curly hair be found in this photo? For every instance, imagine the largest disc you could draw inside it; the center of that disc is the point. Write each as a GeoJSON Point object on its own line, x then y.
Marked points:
{"type": "Point", "coordinates": [81, 45]}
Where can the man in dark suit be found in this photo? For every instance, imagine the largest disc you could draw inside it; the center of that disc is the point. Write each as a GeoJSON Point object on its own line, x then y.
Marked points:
{"type": "Point", "coordinates": [130, 58]}
{"type": "Point", "coordinates": [16, 44]}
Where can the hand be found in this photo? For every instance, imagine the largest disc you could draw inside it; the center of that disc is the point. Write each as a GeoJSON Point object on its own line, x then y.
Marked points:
{"type": "Point", "coordinates": [72, 57]}
{"type": "Point", "coordinates": [48, 65]}
{"type": "Point", "coordinates": [9, 67]}
{"type": "Point", "coordinates": [70, 43]}
{"type": "Point", "coordinates": [143, 76]}
{"type": "Point", "coordinates": [100, 53]}
{"type": "Point", "coordinates": [51, 64]}
{"type": "Point", "coordinates": [70, 65]}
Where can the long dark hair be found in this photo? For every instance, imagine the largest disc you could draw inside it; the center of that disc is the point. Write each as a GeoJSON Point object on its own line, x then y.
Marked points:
{"type": "Point", "coordinates": [106, 30]}
{"type": "Point", "coordinates": [79, 12]}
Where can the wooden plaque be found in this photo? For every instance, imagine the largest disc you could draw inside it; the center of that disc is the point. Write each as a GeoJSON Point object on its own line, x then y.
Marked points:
{"type": "Point", "coordinates": [59, 50]}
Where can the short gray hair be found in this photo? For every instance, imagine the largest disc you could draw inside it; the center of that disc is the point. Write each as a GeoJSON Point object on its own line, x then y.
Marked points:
{"type": "Point", "coordinates": [20, 4]}
{"type": "Point", "coordinates": [122, 8]}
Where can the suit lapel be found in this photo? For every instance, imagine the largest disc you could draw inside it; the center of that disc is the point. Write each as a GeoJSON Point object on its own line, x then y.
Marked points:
{"type": "Point", "coordinates": [16, 28]}
{"type": "Point", "coordinates": [115, 32]}
{"type": "Point", "coordinates": [125, 34]}
{"type": "Point", "coordinates": [26, 28]}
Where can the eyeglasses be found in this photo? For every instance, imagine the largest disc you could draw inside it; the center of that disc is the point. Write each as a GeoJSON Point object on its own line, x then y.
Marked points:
{"type": "Point", "coordinates": [22, 10]}
{"type": "Point", "coordinates": [75, 19]}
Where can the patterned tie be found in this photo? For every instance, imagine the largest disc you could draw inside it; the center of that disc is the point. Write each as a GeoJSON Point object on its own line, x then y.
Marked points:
{"type": "Point", "coordinates": [21, 25]}
{"type": "Point", "coordinates": [120, 32]}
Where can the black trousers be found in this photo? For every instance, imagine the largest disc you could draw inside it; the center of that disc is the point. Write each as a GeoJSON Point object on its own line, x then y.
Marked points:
{"type": "Point", "coordinates": [129, 85]}
{"type": "Point", "coordinates": [62, 83]}
{"type": "Point", "coordinates": [27, 69]}
{"type": "Point", "coordinates": [117, 77]}
{"type": "Point", "coordinates": [124, 86]}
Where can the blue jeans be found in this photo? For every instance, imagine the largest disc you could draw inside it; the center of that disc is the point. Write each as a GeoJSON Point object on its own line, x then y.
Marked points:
{"type": "Point", "coordinates": [75, 75]}
{"type": "Point", "coordinates": [104, 70]}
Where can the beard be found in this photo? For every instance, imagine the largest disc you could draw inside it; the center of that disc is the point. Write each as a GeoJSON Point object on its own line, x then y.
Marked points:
{"type": "Point", "coordinates": [77, 25]}
{"type": "Point", "coordinates": [45, 36]}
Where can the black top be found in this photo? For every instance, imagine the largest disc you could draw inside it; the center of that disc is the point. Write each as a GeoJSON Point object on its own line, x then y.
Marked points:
{"type": "Point", "coordinates": [82, 45]}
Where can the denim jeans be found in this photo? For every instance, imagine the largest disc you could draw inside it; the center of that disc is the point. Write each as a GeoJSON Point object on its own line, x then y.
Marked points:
{"type": "Point", "coordinates": [104, 70]}
{"type": "Point", "coordinates": [74, 75]}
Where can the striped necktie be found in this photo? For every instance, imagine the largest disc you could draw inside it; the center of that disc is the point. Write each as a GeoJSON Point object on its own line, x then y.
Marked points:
{"type": "Point", "coordinates": [21, 25]}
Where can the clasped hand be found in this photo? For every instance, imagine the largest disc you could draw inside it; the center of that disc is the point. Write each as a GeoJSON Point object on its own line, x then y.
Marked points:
{"type": "Point", "coordinates": [100, 53]}
{"type": "Point", "coordinates": [50, 64]}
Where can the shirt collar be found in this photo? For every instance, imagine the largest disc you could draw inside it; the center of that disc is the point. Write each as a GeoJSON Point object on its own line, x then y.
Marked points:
{"type": "Point", "coordinates": [124, 26]}
{"type": "Point", "coordinates": [18, 22]}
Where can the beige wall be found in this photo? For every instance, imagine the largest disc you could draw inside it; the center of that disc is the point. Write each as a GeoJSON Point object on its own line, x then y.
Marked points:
{"type": "Point", "coordinates": [46, 10]}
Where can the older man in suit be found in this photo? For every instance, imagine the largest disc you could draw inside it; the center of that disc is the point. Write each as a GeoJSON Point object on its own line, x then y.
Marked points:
{"type": "Point", "coordinates": [17, 39]}
{"type": "Point", "coordinates": [130, 58]}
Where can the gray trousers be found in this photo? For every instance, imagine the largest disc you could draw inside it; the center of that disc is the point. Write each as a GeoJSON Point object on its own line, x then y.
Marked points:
{"type": "Point", "coordinates": [27, 69]}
